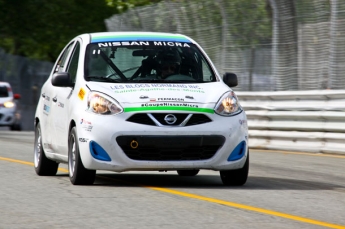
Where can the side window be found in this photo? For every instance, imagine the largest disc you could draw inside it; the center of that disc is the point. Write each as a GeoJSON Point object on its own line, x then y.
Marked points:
{"type": "Point", "coordinates": [73, 66]}
{"type": "Point", "coordinates": [206, 71]}
{"type": "Point", "coordinates": [63, 59]}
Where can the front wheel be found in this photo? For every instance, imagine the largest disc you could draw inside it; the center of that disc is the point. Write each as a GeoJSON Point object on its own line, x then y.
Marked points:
{"type": "Point", "coordinates": [43, 165]}
{"type": "Point", "coordinates": [78, 174]}
{"type": "Point", "coordinates": [235, 177]}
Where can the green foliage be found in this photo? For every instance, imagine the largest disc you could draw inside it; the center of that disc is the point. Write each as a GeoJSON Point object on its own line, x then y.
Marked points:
{"type": "Point", "coordinates": [305, 9]}
{"type": "Point", "coordinates": [249, 21]}
{"type": "Point", "coordinates": [123, 5]}
{"type": "Point", "coordinates": [39, 29]}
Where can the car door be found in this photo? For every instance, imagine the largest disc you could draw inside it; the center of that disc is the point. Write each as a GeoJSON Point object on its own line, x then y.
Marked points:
{"type": "Point", "coordinates": [62, 101]}
{"type": "Point", "coordinates": [47, 95]}
{"type": "Point", "coordinates": [58, 109]}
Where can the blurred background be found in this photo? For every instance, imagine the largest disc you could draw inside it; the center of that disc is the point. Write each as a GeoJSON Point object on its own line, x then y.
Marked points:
{"type": "Point", "coordinates": [272, 45]}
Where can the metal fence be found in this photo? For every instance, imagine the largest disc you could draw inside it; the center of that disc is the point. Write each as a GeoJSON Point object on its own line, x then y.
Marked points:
{"type": "Point", "coordinates": [25, 75]}
{"type": "Point", "coordinates": [271, 45]}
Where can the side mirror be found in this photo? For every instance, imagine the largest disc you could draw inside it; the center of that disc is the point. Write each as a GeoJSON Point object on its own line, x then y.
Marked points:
{"type": "Point", "coordinates": [16, 96]}
{"type": "Point", "coordinates": [230, 79]}
{"type": "Point", "coordinates": [62, 79]}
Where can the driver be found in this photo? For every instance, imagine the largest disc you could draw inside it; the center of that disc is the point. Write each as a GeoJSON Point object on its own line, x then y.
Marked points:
{"type": "Point", "coordinates": [168, 63]}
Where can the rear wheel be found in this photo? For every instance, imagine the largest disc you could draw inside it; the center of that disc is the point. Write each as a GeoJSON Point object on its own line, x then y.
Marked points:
{"type": "Point", "coordinates": [188, 173]}
{"type": "Point", "coordinates": [235, 177]}
{"type": "Point", "coordinates": [78, 174]}
{"type": "Point", "coordinates": [43, 165]}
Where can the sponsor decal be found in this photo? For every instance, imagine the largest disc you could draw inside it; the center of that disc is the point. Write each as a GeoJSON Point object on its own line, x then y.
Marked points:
{"type": "Point", "coordinates": [81, 93]}
{"type": "Point", "coordinates": [127, 88]}
{"type": "Point", "coordinates": [47, 98]}
{"type": "Point", "coordinates": [87, 128]}
{"type": "Point", "coordinates": [83, 139]}
{"type": "Point", "coordinates": [61, 105]}
{"type": "Point", "coordinates": [167, 104]}
{"type": "Point", "coordinates": [152, 100]}
{"type": "Point", "coordinates": [168, 108]}
{"type": "Point", "coordinates": [86, 125]}
{"type": "Point", "coordinates": [243, 121]}
{"type": "Point", "coordinates": [83, 121]}
{"type": "Point", "coordinates": [170, 99]}
{"type": "Point", "coordinates": [143, 43]}
{"type": "Point", "coordinates": [46, 108]}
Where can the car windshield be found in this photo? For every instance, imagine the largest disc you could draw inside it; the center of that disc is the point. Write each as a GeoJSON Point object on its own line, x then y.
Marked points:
{"type": "Point", "coordinates": [150, 61]}
{"type": "Point", "coordinates": [3, 91]}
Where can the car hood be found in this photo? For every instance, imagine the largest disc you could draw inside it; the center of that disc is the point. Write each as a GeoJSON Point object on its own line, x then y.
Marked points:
{"type": "Point", "coordinates": [202, 95]}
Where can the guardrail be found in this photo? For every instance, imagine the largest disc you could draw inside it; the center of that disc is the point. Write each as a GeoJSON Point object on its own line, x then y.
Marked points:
{"type": "Point", "coordinates": [306, 121]}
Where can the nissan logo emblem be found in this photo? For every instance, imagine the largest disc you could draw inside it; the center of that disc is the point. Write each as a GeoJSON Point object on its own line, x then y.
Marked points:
{"type": "Point", "coordinates": [170, 119]}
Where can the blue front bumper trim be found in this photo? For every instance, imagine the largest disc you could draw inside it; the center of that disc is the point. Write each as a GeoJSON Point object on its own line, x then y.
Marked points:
{"type": "Point", "coordinates": [238, 152]}
{"type": "Point", "coordinates": [98, 152]}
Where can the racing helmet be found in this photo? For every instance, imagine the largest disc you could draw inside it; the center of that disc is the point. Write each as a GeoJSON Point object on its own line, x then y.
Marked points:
{"type": "Point", "coordinates": [167, 58]}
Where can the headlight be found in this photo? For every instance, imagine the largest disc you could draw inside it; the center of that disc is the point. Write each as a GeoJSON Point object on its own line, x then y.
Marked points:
{"type": "Point", "coordinates": [9, 104]}
{"type": "Point", "coordinates": [100, 104]}
{"type": "Point", "coordinates": [228, 105]}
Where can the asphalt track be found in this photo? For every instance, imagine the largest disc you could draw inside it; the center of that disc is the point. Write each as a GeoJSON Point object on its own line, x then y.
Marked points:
{"type": "Point", "coordinates": [284, 190]}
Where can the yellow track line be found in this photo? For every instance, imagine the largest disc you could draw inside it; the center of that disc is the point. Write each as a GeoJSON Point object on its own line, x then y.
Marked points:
{"type": "Point", "coordinates": [249, 208]}
{"type": "Point", "coordinates": [212, 200]}
{"type": "Point", "coordinates": [27, 163]}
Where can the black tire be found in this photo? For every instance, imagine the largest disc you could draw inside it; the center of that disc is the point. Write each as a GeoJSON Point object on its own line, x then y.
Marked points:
{"type": "Point", "coordinates": [43, 165]}
{"type": "Point", "coordinates": [78, 174]}
{"type": "Point", "coordinates": [237, 177]}
{"type": "Point", "coordinates": [188, 173]}
{"type": "Point", "coordinates": [16, 127]}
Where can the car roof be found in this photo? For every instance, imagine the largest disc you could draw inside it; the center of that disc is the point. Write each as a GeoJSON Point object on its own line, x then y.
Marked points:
{"type": "Point", "coordinates": [137, 36]}
{"type": "Point", "coordinates": [5, 84]}
{"type": "Point", "coordinates": [5, 93]}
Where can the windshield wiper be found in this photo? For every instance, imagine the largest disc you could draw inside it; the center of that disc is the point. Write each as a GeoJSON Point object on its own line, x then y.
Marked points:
{"type": "Point", "coordinates": [104, 79]}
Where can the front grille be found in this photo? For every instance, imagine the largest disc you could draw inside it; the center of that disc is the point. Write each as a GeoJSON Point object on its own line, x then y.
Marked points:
{"type": "Point", "coordinates": [157, 119]}
{"type": "Point", "coordinates": [170, 148]}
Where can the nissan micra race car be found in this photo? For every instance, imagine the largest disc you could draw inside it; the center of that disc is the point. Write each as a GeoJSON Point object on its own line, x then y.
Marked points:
{"type": "Point", "coordinates": [139, 101]}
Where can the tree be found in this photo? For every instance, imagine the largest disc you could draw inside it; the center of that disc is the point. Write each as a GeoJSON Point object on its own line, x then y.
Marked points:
{"type": "Point", "coordinates": [40, 29]}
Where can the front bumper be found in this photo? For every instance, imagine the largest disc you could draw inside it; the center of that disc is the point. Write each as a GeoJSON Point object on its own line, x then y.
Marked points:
{"type": "Point", "coordinates": [8, 116]}
{"type": "Point", "coordinates": [132, 146]}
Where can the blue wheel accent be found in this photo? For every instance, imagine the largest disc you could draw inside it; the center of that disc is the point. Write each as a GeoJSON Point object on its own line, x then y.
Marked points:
{"type": "Point", "coordinates": [98, 152]}
{"type": "Point", "coordinates": [238, 152]}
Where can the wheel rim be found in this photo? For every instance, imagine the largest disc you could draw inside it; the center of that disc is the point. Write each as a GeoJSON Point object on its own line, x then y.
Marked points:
{"type": "Point", "coordinates": [38, 148]}
{"type": "Point", "coordinates": [71, 161]}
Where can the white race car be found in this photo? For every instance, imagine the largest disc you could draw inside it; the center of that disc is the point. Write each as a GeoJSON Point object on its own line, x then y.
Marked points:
{"type": "Point", "coordinates": [139, 101]}
{"type": "Point", "coordinates": [9, 113]}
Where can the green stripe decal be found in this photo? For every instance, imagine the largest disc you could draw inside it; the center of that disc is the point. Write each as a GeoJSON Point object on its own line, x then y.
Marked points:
{"type": "Point", "coordinates": [204, 110]}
